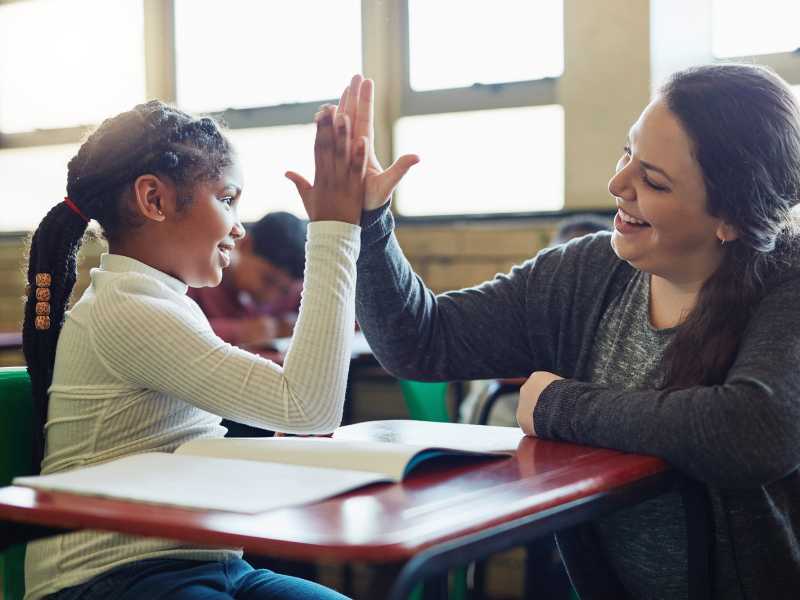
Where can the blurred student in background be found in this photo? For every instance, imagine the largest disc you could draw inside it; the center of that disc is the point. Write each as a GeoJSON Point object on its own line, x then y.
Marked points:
{"type": "Point", "coordinates": [259, 296]}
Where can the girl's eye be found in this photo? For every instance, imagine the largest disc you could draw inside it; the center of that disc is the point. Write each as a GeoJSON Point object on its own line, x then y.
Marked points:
{"type": "Point", "coordinates": [626, 150]}
{"type": "Point", "coordinates": [227, 200]}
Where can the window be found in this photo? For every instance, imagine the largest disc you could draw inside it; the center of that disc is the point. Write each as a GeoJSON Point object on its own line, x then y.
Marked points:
{"type": "Point", "coordinates": [53, 75]}
{"type": "Point", "coordinates": [43, 169]}
{"type": "Point", "coordinates": [745, 28]}
{"type": "Point", "coordinates": [495, 63]}
{"type": "Point", "coordinates": [483, 161]}
{"type": "Point", "coordinates": [242, 54]}
{"type": "Point", "coordinates": [454, 43]}
{"type": "Point", "coordinates": [266, 153]}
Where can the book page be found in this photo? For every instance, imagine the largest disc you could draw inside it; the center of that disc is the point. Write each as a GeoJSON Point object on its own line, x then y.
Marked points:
{"type": "Point", "coordinates": [204, 483]}
{"type": "Point", "coordinates": [386, 459]}
{"type": "Point", "coordinates": [385, 447]}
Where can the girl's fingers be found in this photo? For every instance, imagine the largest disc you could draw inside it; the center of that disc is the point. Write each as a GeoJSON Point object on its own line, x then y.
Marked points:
{"type": "Point", "coordinates": [324, 147]}
{"type": "Point", "coordinates": [302, 185]}
{"type": "Point", "coordinates": [342, 141]}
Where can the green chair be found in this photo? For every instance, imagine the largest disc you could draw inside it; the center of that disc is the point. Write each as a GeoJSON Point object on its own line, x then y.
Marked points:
{"type": "Point", "coordinates": [427, 401]}
{"type": "Point", "coordinates": [16, 415]}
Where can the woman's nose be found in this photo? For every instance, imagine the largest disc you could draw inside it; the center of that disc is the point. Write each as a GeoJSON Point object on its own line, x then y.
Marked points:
{"type": "Point", "coordinates": [619, 185]}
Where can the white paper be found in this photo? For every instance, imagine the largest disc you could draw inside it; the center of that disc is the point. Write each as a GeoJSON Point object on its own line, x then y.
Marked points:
{"type": "Point", "coordinates": [203, 482]}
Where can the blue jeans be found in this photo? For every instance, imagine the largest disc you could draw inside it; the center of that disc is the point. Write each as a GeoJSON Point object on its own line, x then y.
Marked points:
{"type": "Point", "coordinates": [177, 579]}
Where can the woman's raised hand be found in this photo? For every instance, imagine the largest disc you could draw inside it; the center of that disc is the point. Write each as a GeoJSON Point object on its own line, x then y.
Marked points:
{"type": "Point", "coordinates": [340, 177]}
{"type": "Point", "coordinates": [357, 102]}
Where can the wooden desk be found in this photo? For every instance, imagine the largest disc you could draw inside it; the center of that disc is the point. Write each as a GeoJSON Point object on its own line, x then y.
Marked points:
{"type": "Point", "coordinates": [443, 515]}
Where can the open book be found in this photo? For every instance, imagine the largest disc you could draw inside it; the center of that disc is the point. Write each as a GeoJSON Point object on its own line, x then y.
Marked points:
{"type": "Point", "coordinates": [257, 474]}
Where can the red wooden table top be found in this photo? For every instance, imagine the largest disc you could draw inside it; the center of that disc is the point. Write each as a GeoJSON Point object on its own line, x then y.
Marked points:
{"type": "Point", "coordinates": [381, 523]}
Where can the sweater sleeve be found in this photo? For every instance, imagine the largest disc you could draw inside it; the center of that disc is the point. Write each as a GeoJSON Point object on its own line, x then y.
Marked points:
{"type": "Point", "coordinates": [742, 433]}
{"type": "Point", "coordinates": [472, 333]}
{"type": "Point", "coordinates": [149, 338]}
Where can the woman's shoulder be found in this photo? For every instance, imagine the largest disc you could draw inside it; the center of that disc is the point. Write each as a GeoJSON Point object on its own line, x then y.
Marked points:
{"type": "Point", "coordinates": [784, 265]}
{"type": "Point", "coordinates": [588, 257]}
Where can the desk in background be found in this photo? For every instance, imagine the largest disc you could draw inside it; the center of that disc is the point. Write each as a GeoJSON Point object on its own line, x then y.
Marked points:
{"type": "Point", "coordinates": [443, 515]}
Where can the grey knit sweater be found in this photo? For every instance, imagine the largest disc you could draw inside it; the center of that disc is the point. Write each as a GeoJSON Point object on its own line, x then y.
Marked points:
{"type": "Point", "coordinates": [741, 438]}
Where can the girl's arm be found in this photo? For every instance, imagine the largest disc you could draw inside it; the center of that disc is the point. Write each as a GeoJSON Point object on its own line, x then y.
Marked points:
{"type": "Point", "coordinates": [154, 338]}
{"type": "Point", "coordinates": [742, 433]}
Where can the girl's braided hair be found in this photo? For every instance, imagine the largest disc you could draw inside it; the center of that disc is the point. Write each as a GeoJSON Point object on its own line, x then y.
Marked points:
{"type": "Point", "coordinates": [153, 138]}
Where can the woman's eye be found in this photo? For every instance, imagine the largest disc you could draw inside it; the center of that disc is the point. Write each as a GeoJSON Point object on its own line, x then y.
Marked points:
{"type": "Point", "coordinates": [228, 200]}
{"type": "Point", "coordinates": [655, 186]}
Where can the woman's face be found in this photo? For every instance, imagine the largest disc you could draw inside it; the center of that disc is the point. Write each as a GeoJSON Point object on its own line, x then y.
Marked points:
{"type": "Point", "coordinates": [205, 235]}
{"type": "Point", "coordinates": [662, 225]}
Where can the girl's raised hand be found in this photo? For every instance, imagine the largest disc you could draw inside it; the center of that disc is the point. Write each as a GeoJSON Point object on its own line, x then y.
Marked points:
{"type": "Point", "coordinates": [357, 102]}
{"type": "Point", "coordinates": [339, 180]}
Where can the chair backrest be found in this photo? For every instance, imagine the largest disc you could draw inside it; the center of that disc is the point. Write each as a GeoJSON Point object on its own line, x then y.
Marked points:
{"type": "Point", "coordinates": [16, 441]}
{"type": "Point", "coordinates": [426, 401]}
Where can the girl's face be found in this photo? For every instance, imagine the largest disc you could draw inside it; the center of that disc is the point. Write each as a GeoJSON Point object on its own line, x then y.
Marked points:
{"type": "Point", "coordinates": [205, 235]}
{"type": "Point", "coordinates": [662, 226]}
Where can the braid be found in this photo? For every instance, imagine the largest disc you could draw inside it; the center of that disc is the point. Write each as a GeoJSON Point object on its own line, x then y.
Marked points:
{"type": "Point", "coordinates": [153, 138]}
{"type": "Point", "coordinates": [54, 250]}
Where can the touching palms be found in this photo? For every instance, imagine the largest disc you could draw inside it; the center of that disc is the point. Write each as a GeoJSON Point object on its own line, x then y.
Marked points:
{"type": "Point", "coordinates": [357, 102]}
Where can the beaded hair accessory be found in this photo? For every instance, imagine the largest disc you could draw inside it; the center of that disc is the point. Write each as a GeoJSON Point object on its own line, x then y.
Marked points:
{"type": "Point", "coordinates": [43, 281]}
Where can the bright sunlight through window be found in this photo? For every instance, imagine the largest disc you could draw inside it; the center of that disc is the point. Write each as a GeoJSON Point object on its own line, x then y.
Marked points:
{"type": "Point", "coordinates": [744, 27]}
{"type": "Point", "coordinates": [43, 169]}
{"type": "Point", "coordinates": [266, 154]}
{"type": "Point", "coordinates": [69, 63]}
{"type": "Point", "coordinates": [456, 43]}
{"type": "Point", "coordinates": [489, 161]}
{"type": "Point", "coordinates": [241, 54]}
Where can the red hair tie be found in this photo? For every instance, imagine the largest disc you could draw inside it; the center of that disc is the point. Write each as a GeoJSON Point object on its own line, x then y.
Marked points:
{"type": "Point", "coordinates": [74, 208]}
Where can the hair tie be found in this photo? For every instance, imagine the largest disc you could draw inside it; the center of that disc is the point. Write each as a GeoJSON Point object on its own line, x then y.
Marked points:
{"type": "Point", "coordinates": [74, 208]}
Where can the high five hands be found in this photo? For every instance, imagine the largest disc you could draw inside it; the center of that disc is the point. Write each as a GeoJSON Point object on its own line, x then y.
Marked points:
{"type": "Point", "coordinates": [356, 110]}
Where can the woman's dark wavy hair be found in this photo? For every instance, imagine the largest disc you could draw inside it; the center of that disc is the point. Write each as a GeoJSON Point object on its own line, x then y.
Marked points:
{"type": "Point", "coordinates": [153, 138]}
{"type": "Point", "coordinates": [744, 123]}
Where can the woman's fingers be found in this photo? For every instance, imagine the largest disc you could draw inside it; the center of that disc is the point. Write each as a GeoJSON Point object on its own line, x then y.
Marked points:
{"type": "Point", "coordinates": [359, 164]}
{"type": "Point", "coordinates": [362, 126]}
{"type": "Point", "coordinates": [344, 99]}
{"type": "Point", "coordinates": [353, 97]}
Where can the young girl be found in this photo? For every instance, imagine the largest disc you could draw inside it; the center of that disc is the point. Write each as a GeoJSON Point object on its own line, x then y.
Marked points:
{"type": "Point", "coordinates": [135, 367]}
{"type": "Point", "coordinates": [677, 335]}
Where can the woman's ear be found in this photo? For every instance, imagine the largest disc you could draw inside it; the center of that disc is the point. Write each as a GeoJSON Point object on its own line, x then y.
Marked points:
{"type": "Point", "coordinates": [726, 232]}
{"type": "Point", "coordinates": [152, 195]}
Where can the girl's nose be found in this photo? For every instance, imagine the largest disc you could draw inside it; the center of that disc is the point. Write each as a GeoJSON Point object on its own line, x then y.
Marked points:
{"type": "Point", "coordinates": [238, 232]}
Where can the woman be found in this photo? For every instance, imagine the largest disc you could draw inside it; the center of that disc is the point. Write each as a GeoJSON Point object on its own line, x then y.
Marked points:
{"type": "Point", "coordinates": [676, 335]}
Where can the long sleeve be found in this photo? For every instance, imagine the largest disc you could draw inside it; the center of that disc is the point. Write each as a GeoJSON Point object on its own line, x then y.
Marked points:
{"type": "Point", "coordinates": [416, 334]}
{"type": "Point", "coordinates": [742, 433]}
{"type": "Point", "coordinates": [152, 338]}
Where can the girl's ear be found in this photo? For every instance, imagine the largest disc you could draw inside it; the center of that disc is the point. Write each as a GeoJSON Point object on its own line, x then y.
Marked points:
{"type": "Point", "coordinates": [152, 195]}
{"type": "Point", "coordinates": [726, 232]}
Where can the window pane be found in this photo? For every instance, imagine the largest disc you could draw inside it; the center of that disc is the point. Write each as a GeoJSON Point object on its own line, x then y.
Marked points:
{"type": "Point", "coordinates": [491, 161]}
{"type": "Point", "coordinates": [69, 63]}
{"type": "Point", "coordinates": [43, 169]}
{"type": "Point", "coordinates": [264, 53]}
{"type": "Point", "coordinates": [744, 27]}
{"type": "Point", "coordinates": [455, 43]}
{"type": "Point", "coordinates": [266, 154]}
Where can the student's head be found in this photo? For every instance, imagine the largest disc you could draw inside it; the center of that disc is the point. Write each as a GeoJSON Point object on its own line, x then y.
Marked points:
{"type": "Point", "coordinates": [269, 262]}
{"type": "Point", "coordinates": [578, 226]}
{"type": "Point", "coordinates": [712, 167]}
{"type": "Point", "coordinates": [152, 174]}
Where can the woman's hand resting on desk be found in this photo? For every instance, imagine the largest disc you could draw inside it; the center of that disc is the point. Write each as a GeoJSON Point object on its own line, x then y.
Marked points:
{"type": "Point", "coordinates": [529, 397]}
{"type": "Point", "coordinates": [339, 178]}
{"type": "Point", "coordinates": [357, 102]}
